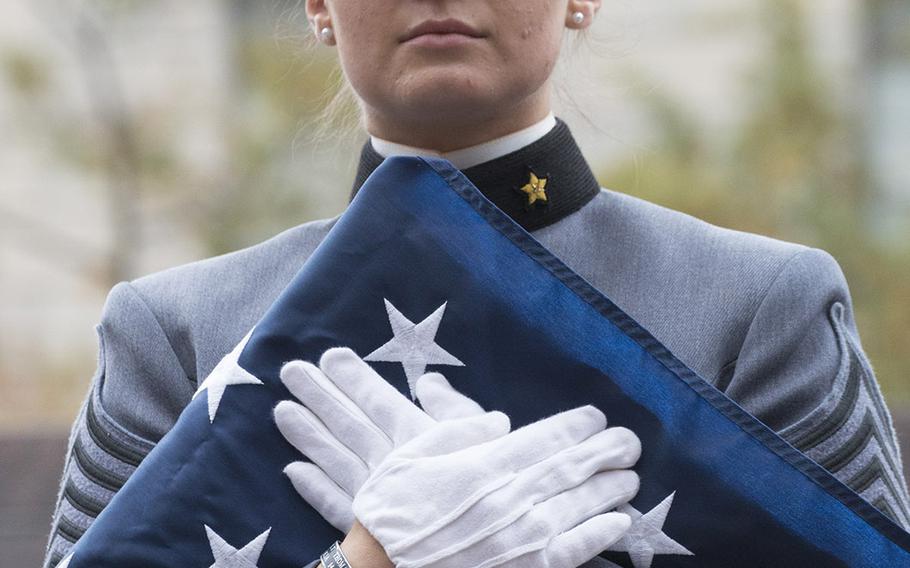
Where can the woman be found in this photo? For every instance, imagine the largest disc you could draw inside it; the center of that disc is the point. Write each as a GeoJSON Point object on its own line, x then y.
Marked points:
{"type": "Point", "coordinates": [769, 323]}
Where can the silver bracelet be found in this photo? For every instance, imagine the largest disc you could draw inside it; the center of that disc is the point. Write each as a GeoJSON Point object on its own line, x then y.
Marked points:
{"type": "Point", "coordinates": [334, 558]}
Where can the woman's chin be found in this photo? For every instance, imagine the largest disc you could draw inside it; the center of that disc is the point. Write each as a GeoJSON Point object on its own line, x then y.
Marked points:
{"type": "Point", "coordinates": [464, 93]}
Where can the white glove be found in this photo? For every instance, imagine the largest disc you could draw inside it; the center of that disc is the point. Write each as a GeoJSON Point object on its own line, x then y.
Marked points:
{"type": "Point", "coordinates": [352, 420]}
{"type": "Point", "coordinates": [466, 493]}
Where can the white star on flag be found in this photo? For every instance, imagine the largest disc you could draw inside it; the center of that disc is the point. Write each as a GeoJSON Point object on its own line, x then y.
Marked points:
{"type": "Point", "coordinates": [645, 537]}
{"type": "Point", "coordinates": [226, 373]}
{"type": "Point", "coordinates": [226, 556]}
{"type": "Point", "coordinates": [65, 562]}
{"type": "Point", "coordinates": [413, 345]}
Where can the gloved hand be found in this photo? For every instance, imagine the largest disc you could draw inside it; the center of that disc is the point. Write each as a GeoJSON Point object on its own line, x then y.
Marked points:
{"type": "Point", "coordinates": [572, 470]}
{"type": "Point", "coordinates": [351, 420]}
{"type": "Point", "coordinates": [466, 493]}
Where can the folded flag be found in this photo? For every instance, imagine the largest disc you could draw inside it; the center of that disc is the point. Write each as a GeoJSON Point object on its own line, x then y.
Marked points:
{"type": "Point", "coordinates": [422, 272]}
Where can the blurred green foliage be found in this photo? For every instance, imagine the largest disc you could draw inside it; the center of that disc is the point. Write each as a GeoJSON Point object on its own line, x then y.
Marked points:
{"type": "Point", "coordinates": [793, 170]}
{"type": "Point", "coordinates": [25, 73]}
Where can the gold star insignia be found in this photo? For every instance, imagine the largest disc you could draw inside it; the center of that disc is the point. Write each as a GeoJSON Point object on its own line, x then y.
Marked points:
{"type": "Point", "coordinates": [535, 189]}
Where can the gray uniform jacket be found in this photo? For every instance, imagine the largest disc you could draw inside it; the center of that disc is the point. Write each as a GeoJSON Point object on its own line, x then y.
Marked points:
{"type": "Point", "coordinates": [769, 323]}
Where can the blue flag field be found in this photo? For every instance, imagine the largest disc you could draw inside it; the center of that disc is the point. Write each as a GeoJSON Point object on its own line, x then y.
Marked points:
{"type": "Point", "coordinates": [420, 243]}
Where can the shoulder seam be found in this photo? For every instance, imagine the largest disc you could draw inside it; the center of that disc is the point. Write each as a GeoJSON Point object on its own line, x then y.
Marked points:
{"type": "Point", "coordinates": [167, 338]}
{"type": "Point", "coordinates": [786, 264]}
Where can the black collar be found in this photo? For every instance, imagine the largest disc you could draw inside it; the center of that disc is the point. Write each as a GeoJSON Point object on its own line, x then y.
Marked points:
{"type": "Point", "coordinates": [555, 157]}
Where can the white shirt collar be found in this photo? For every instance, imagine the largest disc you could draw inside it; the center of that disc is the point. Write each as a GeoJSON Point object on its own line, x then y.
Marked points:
{"type": "Point", "coordinates": [472, 155]}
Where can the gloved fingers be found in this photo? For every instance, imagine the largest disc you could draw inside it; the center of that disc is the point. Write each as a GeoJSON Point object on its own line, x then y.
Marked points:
{"type": "Point", "coordinates": [451, 436]}
{"type": "Point", "coordinates": [309, 435]}
{"type": "Point", "coordinates": [582, 543]}
{"type": "Point", "coordinates": [389, 410]}
{"type": "Point", "coordinates": [539, 440]}
{"type": "Point", "coordinates": [323, 494]}
{"type": "Point", "coordinates": [611, 449]}
{"type": "Point", "coordinates": [603, 491]}
{"type": "Point", "coordinates": [600, 493]}
{"type": "Point", "coordinates": [625, 448]}
{"type": "Point", "coordinates": [441, 401]}
{"type": "Point", "coordinates": [537, 508]}
{"type": "Point", "coordinates": [344, 419]}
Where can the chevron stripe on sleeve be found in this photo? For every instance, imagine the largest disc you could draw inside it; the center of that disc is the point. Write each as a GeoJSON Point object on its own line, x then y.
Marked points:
{"type": "Point", "coordinates": [102, 456]}
{"type": "Point", "coordinates": [851, 433]}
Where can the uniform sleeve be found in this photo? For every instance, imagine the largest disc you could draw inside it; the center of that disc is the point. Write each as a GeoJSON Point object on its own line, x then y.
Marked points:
{"type": "Point", "coordinates": [803, 372]}
{"type": "Point", "coordinates": [137, 392]}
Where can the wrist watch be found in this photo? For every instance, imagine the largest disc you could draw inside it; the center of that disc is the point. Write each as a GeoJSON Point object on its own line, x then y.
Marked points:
{"type": "Point", "coordinates": [334, 557]}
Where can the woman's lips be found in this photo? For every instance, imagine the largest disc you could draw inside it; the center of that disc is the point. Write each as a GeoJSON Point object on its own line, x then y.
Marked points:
{"type": "Point", "coordinates": [441, 40]}
{"type": "Point", "coordinates": [441, 33]}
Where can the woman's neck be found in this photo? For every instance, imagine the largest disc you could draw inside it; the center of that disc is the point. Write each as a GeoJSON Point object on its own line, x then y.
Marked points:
{"type": "Point", "coordinates": [476, 154]}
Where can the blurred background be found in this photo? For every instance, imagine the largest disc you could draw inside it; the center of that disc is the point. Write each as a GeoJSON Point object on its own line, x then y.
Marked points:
{"type": "Point", "coordinates": [141, 135]}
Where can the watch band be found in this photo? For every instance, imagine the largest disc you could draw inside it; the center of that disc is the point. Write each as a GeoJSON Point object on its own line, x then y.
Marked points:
{"type": "Point", "coordinates": [334, 557]}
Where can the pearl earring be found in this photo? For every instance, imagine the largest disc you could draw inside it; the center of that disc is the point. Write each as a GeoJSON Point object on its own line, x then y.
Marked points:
{"type": "Point", "coordinates": [326, 35]}
{"type": "Point", "coordinates": [578, 17]}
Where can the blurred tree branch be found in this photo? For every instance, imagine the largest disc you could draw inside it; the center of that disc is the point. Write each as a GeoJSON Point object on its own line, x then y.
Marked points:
{"type": "Point", "coordinates": [103, 85]}
{"type": "Point", "coordinates": [77, 27]}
